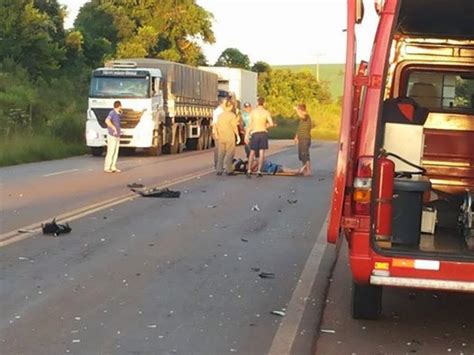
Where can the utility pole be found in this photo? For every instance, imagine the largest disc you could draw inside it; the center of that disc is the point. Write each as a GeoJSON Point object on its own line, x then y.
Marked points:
{"type": "Point", "coordinates": [318, 56]}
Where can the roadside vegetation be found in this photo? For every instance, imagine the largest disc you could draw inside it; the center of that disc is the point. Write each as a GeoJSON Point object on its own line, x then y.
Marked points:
{"type": "Point", "coordinates": [45, 69]}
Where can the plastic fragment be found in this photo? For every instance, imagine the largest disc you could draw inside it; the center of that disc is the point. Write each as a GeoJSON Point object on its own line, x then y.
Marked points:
{"type": "Point", "coordinates": [266, 275]}
{"type": "Point", "coordinates": [278, 313]}
{"type": "Point", "coordinates": [328, 331]}
{"type": "Point", "coordinates": [255, 208]}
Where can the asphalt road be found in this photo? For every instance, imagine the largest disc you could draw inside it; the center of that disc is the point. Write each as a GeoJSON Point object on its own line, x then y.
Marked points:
{"type": "Point", "coordinates": [413, 322]}
{"type": "Point", "coordinates": [164, 276]}
{"type": "Point", "coordinates": [31, 193]}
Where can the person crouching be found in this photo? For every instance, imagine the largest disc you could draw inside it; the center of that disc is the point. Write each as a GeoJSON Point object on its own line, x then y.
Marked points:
{"type": "Point", "coordinates": [226, 131]}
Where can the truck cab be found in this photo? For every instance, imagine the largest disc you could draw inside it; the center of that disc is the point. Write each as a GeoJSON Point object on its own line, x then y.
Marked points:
{"type": "Point", "coordinates": [141, 94]}
{"type": "Point", "coordinates": [404, 180]}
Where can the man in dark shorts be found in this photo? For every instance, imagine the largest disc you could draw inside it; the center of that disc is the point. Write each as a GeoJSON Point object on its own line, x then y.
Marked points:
{"type": "Point", "coordinates": [303, 138]}
{"type": "Point", "coordinates": [260, 121]}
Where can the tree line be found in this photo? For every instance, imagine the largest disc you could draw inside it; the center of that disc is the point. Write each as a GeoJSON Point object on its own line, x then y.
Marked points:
{"type": "Point", "coordinates": [45, 68]}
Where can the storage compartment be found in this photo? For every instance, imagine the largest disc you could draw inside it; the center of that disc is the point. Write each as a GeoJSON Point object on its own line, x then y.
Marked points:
{"type": "Point", "coordinates": [407, 210]}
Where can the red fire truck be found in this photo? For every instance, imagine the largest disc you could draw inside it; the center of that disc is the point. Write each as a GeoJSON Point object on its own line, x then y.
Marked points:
{"type": "Point", "coordinates": [404, 183]}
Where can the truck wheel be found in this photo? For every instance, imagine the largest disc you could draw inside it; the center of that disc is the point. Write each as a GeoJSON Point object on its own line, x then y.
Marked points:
{"type": "Point", "coordinates": [366, 301]}
{"type": "Point", "coordinates": [191, 144]}
{"type": "Point", "coordinates": [196, 143]}
{"type": "Point", "coordinates": [97, 151]}
{"type": "Point", "coordinates": [174, 149]}
{"type": "Point", "coordinates": [157, 148]}
{"type": "Point", "coordinates": [207, 140]}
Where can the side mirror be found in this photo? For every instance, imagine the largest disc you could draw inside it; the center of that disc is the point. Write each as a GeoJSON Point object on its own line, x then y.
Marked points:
{"type": "Point", "coordinates": [359, 15]}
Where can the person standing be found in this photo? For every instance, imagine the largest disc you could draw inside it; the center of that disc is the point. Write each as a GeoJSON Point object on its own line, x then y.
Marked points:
{"type": "Point", "coordinates": [215, 118]}
{"type": "Point", "coordinates": [226, 131]}
{"type": "Point", "coordinates": [260, 122]}
{"type": "Point", "coordinates": [113, 138]}
{"type": "Point", "coordinates": [303, 138]}
{"type": "Point", "coordinates": [245, 121]}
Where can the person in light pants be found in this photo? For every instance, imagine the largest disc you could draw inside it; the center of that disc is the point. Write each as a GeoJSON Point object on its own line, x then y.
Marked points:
{"type": "Point", "coordinates": [113, 138]}
{"type": "Point", "coordinates": [226, 132]}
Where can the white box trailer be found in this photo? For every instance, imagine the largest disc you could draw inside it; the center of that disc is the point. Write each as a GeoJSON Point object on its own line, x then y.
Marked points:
{"type": "Point", "coordinates": [240, 83]}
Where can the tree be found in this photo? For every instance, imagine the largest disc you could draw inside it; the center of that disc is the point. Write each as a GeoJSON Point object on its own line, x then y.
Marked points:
{"type": "Point", "coordinates": [29, 36]}
{"type": "Point", "coordinates": [100, 35]}
{"type": "Point", "coordinates": [233, 58]}
{"type": "Point", "coordinates": [261, 67]}
{"type": "Point", "coordinates": [167, 29]}
{"type": "Point", "coordinates": [283, 88]}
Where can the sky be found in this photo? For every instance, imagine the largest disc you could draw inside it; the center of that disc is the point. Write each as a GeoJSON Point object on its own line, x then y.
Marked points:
{"type": "Point", "coordinates": [277, 31]}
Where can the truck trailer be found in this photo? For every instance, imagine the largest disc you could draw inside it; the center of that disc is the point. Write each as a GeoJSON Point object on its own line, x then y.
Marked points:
{"type": "Point", "coordinates": [241, 84]}
{"type": "Point", "coordinates": [167, 107]}
{"type": "Point", "coordinates": [404, 181]}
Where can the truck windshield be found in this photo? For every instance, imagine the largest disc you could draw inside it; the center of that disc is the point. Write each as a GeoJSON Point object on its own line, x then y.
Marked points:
{"type": "Point", "coordinates": [442, 91]}
{"type": "Point", "coordinates": [119, 87]}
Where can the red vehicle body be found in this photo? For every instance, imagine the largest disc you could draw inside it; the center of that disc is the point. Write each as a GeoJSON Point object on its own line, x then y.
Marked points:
{"type": "Point", "coordinates": [405, 53]}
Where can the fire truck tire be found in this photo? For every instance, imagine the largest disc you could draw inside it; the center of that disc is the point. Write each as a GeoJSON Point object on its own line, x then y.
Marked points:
{"type": "Point", "coordinates": [97, 151]}
{"type": "Point", "coordinates": [366, 301]}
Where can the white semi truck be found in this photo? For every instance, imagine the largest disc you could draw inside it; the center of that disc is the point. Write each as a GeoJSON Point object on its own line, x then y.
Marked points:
{"type": "Point", "coordinates": [240, 83]}
{"type": "Point", "coordinates": [167, 107]}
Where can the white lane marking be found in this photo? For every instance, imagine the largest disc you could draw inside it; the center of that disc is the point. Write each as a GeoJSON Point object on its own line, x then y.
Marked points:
{"type": "Point", "coordinates": [35, 228]}
{"type": "Point", "coordinates": [61, 172]}
{"type": "Point", "coordinates": [287, 331]}
{"type": "Point", "coordinates": [15, 236]}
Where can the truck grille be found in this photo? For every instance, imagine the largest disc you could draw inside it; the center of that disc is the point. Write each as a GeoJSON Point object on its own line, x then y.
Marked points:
{"type": "Point", "coordinates": [130, 118]}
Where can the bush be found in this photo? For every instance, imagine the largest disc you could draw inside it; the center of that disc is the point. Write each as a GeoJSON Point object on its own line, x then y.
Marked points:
{"type": "Point", "coordinates": [326, 123]}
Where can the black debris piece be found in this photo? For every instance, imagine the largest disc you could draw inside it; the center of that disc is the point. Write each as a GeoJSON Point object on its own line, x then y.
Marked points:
{"type": "Point", "coordinates": [135, 186]}
{"type": "Point", "coordinates": [244, 240]}
{"type": "Point", "coordinates": [266, 275]}
{"type": "Point", "coordinates": [155, 192]}
{"type": "Point", "coordinates": [292, 202]}
{"type": "Point", "coordinates": [256, 269]}
{"type": "Point", "coordinates": [55, 228]}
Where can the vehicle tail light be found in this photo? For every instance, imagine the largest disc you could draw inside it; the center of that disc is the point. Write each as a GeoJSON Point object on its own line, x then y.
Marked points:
{"type": "Point", "coordinates": [362, 192]}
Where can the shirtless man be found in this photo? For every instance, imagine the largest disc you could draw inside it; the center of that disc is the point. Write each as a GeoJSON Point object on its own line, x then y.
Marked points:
{"type": "Point", "coordinates": [260, 121]}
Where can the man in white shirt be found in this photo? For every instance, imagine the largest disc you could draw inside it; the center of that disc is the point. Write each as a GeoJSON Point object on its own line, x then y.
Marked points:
{"type": "Point", "coordinates": [215, 116]}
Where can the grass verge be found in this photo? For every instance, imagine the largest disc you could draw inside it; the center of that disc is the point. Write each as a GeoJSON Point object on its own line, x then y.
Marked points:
{"type": "Point", "coordinates": [28, 149]}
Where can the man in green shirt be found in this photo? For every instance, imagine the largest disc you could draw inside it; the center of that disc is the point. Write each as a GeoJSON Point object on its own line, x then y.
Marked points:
{"type": "Point", "coordinates": [303, 138]}
{"type": "Point", "coordinates": [226, 132]}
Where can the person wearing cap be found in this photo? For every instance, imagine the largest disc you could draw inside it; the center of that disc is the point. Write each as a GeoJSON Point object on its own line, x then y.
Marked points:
{"type": "Point", "coordinates": [303, 138]}
{"type": "Point", "coordinates": [260, 122]}
{"type": "Point", "coordinates": [246, 120]}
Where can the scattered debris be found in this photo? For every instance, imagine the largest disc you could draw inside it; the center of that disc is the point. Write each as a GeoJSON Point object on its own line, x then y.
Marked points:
{"type": "Point", "coordinates": [292, 202]}
{"type": "Point", "coordinates": [23, 258]}
{"type": "Point", "coordinates": [266, 275]}
{"type": "Point", "coordinates": [55, 228]}
{"type": "Point", "coordinates": [278, 313]}
{"type": "Point", "coordinates": [212, 206]}
{"type": "Point", "coordinates": [152, 326]}
{"type": "Point", "coordinates": [155, 192]}
{"type": "Point", "coordinates": [279, 211]}
{"type": "Point", "coordinates": [256, 269]}
{"type": "Point", "coordinates": [328, 331]}
{"type": "Point", "coordinates": [135, 186]}
{"type": "Point", "coordinates": [255, 208]}
{"type": "Point", "coordinates": [244, 240]}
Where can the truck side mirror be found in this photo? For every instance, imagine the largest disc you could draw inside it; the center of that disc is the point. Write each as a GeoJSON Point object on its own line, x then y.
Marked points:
{"type": "Point", "coordinates": [359, 15]}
